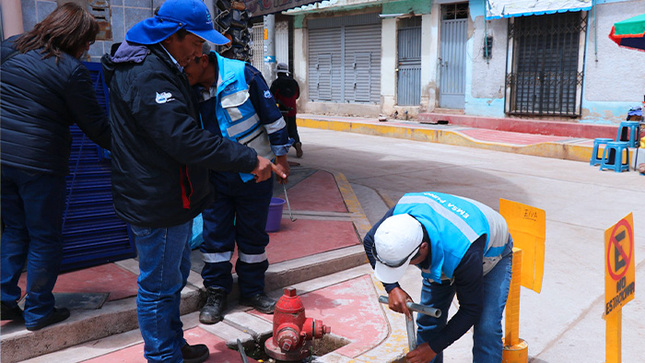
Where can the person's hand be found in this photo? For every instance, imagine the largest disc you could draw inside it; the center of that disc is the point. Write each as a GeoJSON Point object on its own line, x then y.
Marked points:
{"type": "Point", "coordinates": [397, 299]}
{"type": "Point", "coordinates": [263, 170]}
{"type": "Point", "coordinates": [421, 354]}
{"type": "Point", "coordinates": [283, 165]}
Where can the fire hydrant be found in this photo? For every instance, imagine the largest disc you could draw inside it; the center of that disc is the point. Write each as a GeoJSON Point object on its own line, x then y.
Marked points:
{"type": "Point", "coordinates": [292, 331]}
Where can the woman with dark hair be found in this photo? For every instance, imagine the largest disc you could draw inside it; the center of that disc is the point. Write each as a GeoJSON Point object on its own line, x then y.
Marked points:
{"type": "Point", "coordinates": [45, 89]}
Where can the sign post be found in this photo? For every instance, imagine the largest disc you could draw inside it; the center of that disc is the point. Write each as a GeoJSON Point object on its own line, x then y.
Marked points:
{"type": "Point", "coordinates": [527, 226]}
{"type": "Point", "coordinates": [619, 281]}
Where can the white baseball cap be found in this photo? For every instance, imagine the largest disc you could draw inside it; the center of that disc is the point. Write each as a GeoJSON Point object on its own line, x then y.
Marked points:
{"type": "Point", "coordinates": [396, 241]}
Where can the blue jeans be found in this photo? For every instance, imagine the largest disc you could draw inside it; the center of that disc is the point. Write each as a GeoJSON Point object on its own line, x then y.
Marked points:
{"type": "Point", "coordinates": [238, 214]}
{"type": "Point", "coordinates": [164, 265]}
{"type": "Point", "coordinates": [32, 214]}
{"type": "Point", "coordinates": [487, 337]}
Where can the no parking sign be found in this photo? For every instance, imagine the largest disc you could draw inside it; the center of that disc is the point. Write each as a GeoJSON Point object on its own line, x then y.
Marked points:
{"type": "Point", "coordinates": [619, 264]}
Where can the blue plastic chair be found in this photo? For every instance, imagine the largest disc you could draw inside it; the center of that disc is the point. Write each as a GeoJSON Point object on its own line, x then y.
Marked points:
{"type": "Point", "coordinates": [612, 157]}
{"type": "Point", "coordinates": [596, 158]}
{"type": "Point", "coordinates": [628, 132]}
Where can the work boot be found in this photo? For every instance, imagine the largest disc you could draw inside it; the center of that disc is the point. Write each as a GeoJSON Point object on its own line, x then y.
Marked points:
{"type": "Point", "coordinates": [213, 311]}
{"type": "Point", "coordinates": [298, 147]}
{"type": "Point", "coordinates": [8, 312]}
{"type": "Point", "coordinates": [197, 353]}
{"type": "Point", "coordinates": [260, 302]}
{"type": "Point", "coordinates": [56, 316]}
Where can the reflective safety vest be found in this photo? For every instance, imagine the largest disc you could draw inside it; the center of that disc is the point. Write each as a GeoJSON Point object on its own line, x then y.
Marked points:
{"type": "Point", "coordinates": [453, 224]}
{"type": "Point", "coordinates": [235, 113]}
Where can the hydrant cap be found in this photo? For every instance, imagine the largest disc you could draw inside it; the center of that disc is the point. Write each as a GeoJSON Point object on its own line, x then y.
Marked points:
{"type": "Point", "coordinates": [290, 291]}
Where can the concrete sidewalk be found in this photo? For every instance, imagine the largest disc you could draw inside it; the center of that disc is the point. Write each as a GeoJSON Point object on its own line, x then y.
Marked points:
{"type": "Point", "coordinates": [319, 253]}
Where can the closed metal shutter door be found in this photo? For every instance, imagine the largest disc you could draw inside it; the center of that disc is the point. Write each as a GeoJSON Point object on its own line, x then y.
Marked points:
{"type": "Point", "coordinates": [345, 56]}
{"type": "Point", "coordinates": [257, 37]}
{"type": "Point", "coordinates": [282, 42]}
{"type": "Point", "coordinates": [92, 233]}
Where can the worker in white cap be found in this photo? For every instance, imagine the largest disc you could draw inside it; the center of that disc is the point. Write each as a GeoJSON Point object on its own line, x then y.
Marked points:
{"type": "Point", "coordinates": [462, 247]}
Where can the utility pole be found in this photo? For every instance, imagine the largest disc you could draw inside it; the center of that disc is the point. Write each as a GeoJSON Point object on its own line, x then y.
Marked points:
{"type": "Point", "coordinates": [269, 48]}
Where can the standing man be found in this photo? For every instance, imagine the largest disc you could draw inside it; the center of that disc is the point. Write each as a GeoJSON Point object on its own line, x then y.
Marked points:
{"type": "Point", "coordinates": [160, 162]}
{"type": "Point", "coordinates": [286, 91]}
{"type": "Point", "coordinates": [45, 89]}
{"type": "Point", "coordinates": [461, 246]}
{"type": "Point", "coordinates": [235, 102]}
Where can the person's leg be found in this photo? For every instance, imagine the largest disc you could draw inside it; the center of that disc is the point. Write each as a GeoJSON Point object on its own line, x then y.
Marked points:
{"type": "Point", "coordinates": [437, 296]}
{"type": "Point", "coordinates": [43, 200]}
{"type": "Point", "coordinates": [292, 130]}
{"type": "Point", "coordinates": [219, 236]}
{"type": "Point", "coordinates": [14, 245]}
{"type": "Point", "coordinates": [162, 276]}
{"type": "Point", "coordinates": [487, 335]}
{"type": "Point", "coordinates": [252, 205]}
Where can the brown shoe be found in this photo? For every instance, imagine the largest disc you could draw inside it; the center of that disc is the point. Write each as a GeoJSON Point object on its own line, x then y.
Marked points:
{"type": "Point", "coordinates": [298, 147]}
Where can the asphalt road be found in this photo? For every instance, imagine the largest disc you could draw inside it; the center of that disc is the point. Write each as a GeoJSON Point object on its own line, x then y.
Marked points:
{"type": "Point", "coordinates": [565, 321]}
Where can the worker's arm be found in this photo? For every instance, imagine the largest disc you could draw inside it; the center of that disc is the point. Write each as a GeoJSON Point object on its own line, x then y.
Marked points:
{"type": "Point", "coordinates": [468, 286]}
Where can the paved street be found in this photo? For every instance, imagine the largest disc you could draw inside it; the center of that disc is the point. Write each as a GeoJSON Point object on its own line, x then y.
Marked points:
{"type": "Point", "coordinates": [562, 323]}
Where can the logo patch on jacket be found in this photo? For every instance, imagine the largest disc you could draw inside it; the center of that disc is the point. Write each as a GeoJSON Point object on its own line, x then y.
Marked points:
{"type": "Point", "coordinates": [164, 97]}
{"type": "Point", "coordinates": [267, 94]}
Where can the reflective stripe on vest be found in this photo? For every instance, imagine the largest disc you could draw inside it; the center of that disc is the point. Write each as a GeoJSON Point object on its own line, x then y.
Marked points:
{"type": "Point", "coordinates": [217, 257]}
{"type": "Point", "coordinates": [248, 258]}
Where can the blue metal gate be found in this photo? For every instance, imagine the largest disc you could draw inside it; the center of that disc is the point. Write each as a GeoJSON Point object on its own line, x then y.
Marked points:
{"type": "Point", "coordinates": [452, 85]}
{"type": "Point", "coordinates": [92, 233]}
{"type": "Point", "coordinates": [408, 90]}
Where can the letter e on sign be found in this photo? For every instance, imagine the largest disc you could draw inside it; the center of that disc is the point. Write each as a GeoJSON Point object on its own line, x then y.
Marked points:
{"type": "Point", "coordinates": [619, 264]}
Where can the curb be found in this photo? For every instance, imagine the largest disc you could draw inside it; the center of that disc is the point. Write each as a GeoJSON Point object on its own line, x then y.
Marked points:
{"type": "Point", "coordinates": [450, 135]}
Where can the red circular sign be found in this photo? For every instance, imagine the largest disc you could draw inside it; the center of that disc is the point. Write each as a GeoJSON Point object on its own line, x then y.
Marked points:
{"type": "Point", "coordinates": [612, 242]}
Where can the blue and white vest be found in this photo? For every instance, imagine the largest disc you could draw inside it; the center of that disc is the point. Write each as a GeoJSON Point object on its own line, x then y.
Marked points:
{"type": "Point", "coordinates": [236, 116]}
{"type": "Point", "coordinates": [453, 224]}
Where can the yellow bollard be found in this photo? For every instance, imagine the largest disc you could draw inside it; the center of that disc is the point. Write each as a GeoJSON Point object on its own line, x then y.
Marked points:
{"type": "Point", "coordinates": [515, 349]}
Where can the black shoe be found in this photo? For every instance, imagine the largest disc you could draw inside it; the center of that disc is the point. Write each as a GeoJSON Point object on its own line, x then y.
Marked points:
{"type": "Point", "coordinates": [56, 316]}
{"type": "Point", "coordinates": [213, 311]}
{"type": "Point", "coordinates": [10, 313]}
{"type": "Point", "coordinates": [260, 302]}
{"type": "Point", "coordinates": [197, 353]}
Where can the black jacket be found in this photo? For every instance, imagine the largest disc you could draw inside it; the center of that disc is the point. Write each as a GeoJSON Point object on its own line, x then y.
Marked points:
{"type": "Point", "coordinates": [40, 99]}
{"type": "Point", "coordinates": [160, 153]}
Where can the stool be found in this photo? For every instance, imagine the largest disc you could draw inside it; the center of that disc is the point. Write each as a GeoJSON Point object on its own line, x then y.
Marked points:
{"type": "Point", "coordinates": [612, 157]}
{"type": "Point", "coordinates": [596, 159]}
{"type": "Point", "coordinates": [628, 131]}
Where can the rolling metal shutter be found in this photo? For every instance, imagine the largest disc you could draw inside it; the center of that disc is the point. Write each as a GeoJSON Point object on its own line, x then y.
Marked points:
{"type": "Point", "coordinates": [92, 233]}
{"type": "Point", "coordinates": [345, 56]}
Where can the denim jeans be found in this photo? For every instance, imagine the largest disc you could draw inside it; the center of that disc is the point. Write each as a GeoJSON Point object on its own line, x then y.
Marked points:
{"type": "Point", "coordinates": [487, 337]}
{"type": "Point", "coordinates": [32, 213]}
{"type": "Point", "coordinates": [164, 265]}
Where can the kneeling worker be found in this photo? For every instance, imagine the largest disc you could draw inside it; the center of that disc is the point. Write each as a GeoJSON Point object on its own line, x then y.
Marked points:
{"type": "Point", "coordinates": [461, 246]}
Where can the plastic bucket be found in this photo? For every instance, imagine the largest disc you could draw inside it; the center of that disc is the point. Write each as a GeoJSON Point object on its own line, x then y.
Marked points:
{"type": "Point", "coordinates": [275, 214]}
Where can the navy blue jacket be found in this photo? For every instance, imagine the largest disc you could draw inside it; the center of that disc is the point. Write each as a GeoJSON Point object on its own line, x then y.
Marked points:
{"type": "Point", "coordinates": [160, 153]}
{"type": "Point", "coordinates": [40, 100]}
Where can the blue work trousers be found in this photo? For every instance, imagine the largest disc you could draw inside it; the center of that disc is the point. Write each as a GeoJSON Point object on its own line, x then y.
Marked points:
{"type": "Point", "coordinates": [487, 337]}
{"type": "Point", "coordinates": [164, 265]}
{"type": "Point", "coordinates": [239, 214]}
{"type": "Point", "coordinates": [32, 214]}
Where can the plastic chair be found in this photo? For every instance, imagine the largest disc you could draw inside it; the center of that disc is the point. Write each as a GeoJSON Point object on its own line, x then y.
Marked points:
{"type": "Point", "coordinates": [596, 158]}
{"type": "Point", "coordinates": [628, 131]}
{"type": "Point", "coordinates": [612, 157]}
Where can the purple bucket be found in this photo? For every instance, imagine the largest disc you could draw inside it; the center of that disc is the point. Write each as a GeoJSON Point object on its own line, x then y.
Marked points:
{"type": "Point", "coordinates": [275, 214]}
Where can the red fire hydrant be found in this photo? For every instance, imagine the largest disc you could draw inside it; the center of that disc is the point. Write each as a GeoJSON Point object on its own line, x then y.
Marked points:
{"type": "Point", "coordinates": [292, 331]}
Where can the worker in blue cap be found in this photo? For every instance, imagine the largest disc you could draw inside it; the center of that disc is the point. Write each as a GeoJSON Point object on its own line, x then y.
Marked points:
{"type": "Point", "coordinates": [161, 157]}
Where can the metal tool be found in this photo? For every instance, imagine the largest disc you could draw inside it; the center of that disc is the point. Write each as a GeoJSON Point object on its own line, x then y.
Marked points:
{"type": "Point", "coordinates": [284, 187]}
{"type": "Point", "coordinates": [242, 352]}
{"type": "Point", "coordinates": [409, 321]}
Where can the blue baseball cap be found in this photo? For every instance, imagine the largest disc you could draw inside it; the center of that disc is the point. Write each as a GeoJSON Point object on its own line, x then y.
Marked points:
{"type": "Point", "coordinates": [192, 15]}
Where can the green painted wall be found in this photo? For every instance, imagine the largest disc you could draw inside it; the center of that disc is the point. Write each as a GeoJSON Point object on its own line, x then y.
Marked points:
{"type": "Point", "coordinates": [407, 6]}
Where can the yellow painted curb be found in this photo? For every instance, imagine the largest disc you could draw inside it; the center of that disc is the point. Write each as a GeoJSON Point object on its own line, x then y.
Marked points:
{"type": "Point", "coordinates": [451, 137]}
